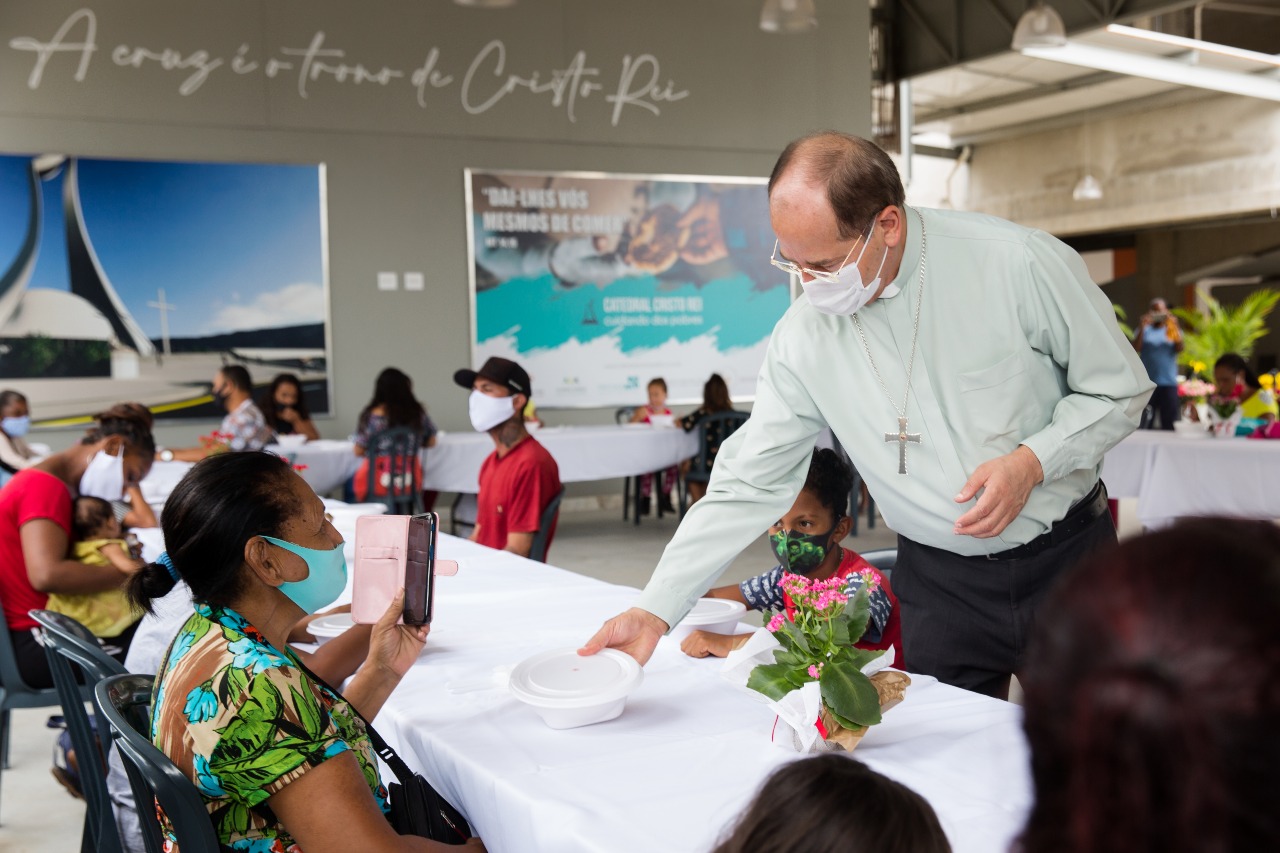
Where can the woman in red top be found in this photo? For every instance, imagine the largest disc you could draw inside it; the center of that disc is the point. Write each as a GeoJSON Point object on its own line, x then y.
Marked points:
{"type": "Point", "coordinates": [35, 525]}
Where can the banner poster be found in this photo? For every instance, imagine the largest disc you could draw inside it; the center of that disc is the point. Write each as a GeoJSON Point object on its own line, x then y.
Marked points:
{"type": "Point", "coordinates": [130, 280]}
{"type": "Point", "coordinates": [599, 283]}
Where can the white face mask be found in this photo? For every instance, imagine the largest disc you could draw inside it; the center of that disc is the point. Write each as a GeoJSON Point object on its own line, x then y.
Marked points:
{"type": "Point", "coordinates": [104, 478]}
{"type": "Point", "coordinates": [847, 294]}
{"type": "Point", "coordinates": [487, 412]}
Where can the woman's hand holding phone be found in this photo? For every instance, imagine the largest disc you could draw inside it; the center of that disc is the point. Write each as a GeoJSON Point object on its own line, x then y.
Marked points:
{"type": "Point", "coordinates": [394, 647]}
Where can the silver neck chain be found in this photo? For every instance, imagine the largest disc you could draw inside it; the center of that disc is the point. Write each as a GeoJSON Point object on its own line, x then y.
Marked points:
{"type": "Point", "coordinates": [915, 332]}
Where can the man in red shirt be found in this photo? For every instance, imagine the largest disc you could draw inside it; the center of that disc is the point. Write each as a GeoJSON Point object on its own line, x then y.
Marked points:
{"type": "Point", "coordinates": [519, 479]}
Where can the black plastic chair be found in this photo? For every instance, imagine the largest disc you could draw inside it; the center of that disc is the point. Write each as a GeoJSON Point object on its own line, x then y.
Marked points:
{"type": "Point", "coordinates": [392, 475]}
{"type": "Point", "coordinates": [122, 700]}
{"type": "Point", "coordinates": [66, 641]}
{"type": "Point", "coordinates": [16, 693]}
{"type": "Point", "coordinates": [884, 559]}
{"type": "Point", "coordinates": [855, 493]}
{"type": "Point", "coordinates": [545, 522]}
{"type": "Point", "coordinates": [723, 425]}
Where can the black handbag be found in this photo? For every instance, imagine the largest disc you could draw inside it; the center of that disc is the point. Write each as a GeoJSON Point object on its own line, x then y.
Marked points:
{"type": "Point", "coordinates": [416, 807]}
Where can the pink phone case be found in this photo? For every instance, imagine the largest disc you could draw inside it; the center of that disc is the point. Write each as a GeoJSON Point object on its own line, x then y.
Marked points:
{"type": "Point", "coordinates": [381, 557]}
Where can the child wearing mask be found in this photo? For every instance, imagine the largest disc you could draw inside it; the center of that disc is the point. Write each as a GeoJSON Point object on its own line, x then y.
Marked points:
{"type": "Point", "coordinates": [99, 540]}
{"type": "Point", "coordinates": [15, 420]}
{"type": "Point", "coordinates": [657, 406]}
{"type": "Point", "coordinates": [806, 542]}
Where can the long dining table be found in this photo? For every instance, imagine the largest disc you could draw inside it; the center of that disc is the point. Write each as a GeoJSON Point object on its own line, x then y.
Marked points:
{"type": "Point", "coordinates": [688, 752]}
{"type": "Point", "coordinates": [1175, 475]}
{"type": "Point", "coordinates": [584, 453]}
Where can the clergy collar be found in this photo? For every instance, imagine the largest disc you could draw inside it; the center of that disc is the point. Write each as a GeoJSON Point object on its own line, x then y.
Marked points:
{"type": "Point", "coordinates": [910, 257]}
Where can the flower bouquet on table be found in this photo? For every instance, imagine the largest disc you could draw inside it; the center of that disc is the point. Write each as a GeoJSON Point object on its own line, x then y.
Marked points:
{"type": "Point", "coordinates": [1224, 413]}
{"type": "Point", "coordinates": [826, 692]}
{"type": "Point", "coordinates": [216, 442]}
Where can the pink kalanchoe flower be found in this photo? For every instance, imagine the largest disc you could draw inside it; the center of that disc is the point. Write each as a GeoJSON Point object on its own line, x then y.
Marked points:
{"type": "Point", "coordinates": [776, 622]}
{"type": "Point", "coordinates": [813, 671]}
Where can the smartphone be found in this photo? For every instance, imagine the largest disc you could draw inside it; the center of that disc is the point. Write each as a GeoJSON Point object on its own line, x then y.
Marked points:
{"type": "Point", "coordinates": [395, 552]}
{"type": "Point", "coordinates": [419, 569]}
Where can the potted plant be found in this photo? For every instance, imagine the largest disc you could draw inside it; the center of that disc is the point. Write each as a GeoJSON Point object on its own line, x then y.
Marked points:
{"type": "Point", "coordinates": [1210, 335]}
{"type": "Point", "coordinates": [816, 651]}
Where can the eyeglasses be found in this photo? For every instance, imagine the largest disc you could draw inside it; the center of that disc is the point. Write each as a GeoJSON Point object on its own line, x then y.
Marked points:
{"type": "Point", "coordinates": [821, 275]}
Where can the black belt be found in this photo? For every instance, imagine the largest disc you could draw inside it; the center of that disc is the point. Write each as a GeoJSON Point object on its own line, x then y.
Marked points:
{"type": "Point", "coordinates": [1083, 513]}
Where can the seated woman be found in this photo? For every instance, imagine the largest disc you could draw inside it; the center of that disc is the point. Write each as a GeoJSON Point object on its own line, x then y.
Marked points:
{"type": "Point", "coordinates": [15, 420]}
{"type": "Point", "coordinates": [281, 759]}
{"type": "Point", "coordinates": [835, 804]}
{"type": "Point", "coordinates": [806, 542]}
{"type": "Point", "coordinates": [393, 405]}
{"type": "Point", "coordinates": [1257, 404]}
{"type": "Point", "coordinates": [35, 527]}
{"type": "Point", "coordinates": [285, 410]}
{"type": "Point", "coordinates": [1152, 704]}
{"type": "Point", "coordinates": [132, 510]}
{"type": "Point", "coordinates": [715, 398]}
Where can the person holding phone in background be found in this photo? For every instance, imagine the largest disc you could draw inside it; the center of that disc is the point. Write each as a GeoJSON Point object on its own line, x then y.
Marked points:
{"type": "Point", "coordinates": [1158, 340]}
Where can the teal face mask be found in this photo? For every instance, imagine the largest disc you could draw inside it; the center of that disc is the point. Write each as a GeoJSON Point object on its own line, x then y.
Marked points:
{"type": "Point", "coordinates": [326, 576]}
{"type": "Point", "coordinates": [798, 553]}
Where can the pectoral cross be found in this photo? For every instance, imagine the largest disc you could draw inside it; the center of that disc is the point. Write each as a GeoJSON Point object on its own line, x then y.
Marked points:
{"type": "Point", "coordinates": [902, 437]}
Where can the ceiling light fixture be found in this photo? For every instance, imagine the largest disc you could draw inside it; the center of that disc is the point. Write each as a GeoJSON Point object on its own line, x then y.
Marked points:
{"type": "Point", "coordinates": [1194, 44]}
{"type": "Point", "coordinates": [788, 17]}
{"type": "Point", "coordinates": [486, 4]}
{"type": "Point", "coordinates": [1039, 26]}
{"type": "Point", "coordinates": [1087, 188]}
{"type": "Point", "coordinates": [1159, 68]}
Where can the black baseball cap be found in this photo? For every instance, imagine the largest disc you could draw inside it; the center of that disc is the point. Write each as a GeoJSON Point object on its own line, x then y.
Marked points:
{"type": "Point", "coordinates": [502, 371]}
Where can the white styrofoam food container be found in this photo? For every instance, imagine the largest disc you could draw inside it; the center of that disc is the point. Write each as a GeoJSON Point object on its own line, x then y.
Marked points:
{"type": "Point", "coordinates": [568, 690]}
{"type": "Point", "coordinates": [325, 628]}
{"type": "Point", "coordinates": [713, 615]}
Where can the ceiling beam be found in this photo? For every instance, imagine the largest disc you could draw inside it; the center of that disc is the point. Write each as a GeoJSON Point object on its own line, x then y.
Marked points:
{"type": "Point", "coordinates": [982, 29]}
{"type": "Point", "coordinates": [1082, 82]}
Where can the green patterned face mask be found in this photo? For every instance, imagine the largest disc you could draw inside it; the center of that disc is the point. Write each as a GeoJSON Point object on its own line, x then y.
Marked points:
{"type": "Point", "coordinates": [798, 553]}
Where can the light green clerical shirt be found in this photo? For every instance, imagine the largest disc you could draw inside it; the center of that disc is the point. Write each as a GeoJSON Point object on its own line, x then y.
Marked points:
{"type": "Point", "coordinates": [1017, 346]}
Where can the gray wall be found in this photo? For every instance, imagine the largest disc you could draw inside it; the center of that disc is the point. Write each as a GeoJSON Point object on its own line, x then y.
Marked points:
{"type": "Point", "coordinates": [394, 165]}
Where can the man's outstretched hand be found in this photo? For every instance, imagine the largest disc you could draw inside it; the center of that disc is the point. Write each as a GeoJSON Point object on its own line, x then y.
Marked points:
{"type": "Point", "coordinates": [635, 632]}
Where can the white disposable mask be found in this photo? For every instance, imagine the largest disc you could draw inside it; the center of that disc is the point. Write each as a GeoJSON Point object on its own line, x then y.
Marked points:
{"type": "Point", "coordinates": [847, 294]}
{"type": "Point", "coordinates": [487, 412]}
{"type": "Point", "coordinates": [104, 478]}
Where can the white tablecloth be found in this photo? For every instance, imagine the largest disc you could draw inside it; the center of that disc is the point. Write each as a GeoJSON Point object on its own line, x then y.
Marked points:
{"type": "Point", "coordinates": [688, 752]}
{"type": "Point", "coordinates": [344, 518]}
{"type": "Point", "coordinates": [1174, 476]}
{"type": "Point", "coordinates": [327, 465]}
{"type": "Point", "coordinates": [583, 453]}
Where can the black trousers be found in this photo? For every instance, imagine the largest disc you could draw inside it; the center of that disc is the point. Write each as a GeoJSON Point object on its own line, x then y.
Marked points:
{"type": "Point", "coordinates": [1164, 408]}
{"type": "Point", "coordinates": [966, 620]}
{"type": "Point", "coordinates": [33, 665]}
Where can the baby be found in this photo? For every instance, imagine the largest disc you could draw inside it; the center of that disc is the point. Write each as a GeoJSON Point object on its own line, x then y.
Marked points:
{"type": "Point", "coordinates": [99, 540]}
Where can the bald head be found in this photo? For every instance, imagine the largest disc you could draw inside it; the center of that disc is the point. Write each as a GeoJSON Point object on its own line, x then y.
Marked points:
{"type": "Point", "coordinates": [857, 177]}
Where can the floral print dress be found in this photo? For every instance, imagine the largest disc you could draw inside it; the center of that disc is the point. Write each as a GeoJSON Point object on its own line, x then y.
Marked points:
{"type": "Point", "coordinates": [242, 720]}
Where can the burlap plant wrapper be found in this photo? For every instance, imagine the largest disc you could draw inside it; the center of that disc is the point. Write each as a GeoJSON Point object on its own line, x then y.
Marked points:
{"type": "Point", "coordinates": [891, 686]}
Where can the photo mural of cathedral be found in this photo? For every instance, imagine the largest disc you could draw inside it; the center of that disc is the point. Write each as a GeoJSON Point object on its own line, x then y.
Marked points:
{"type": "Point", "coordinates": [138, 280]}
